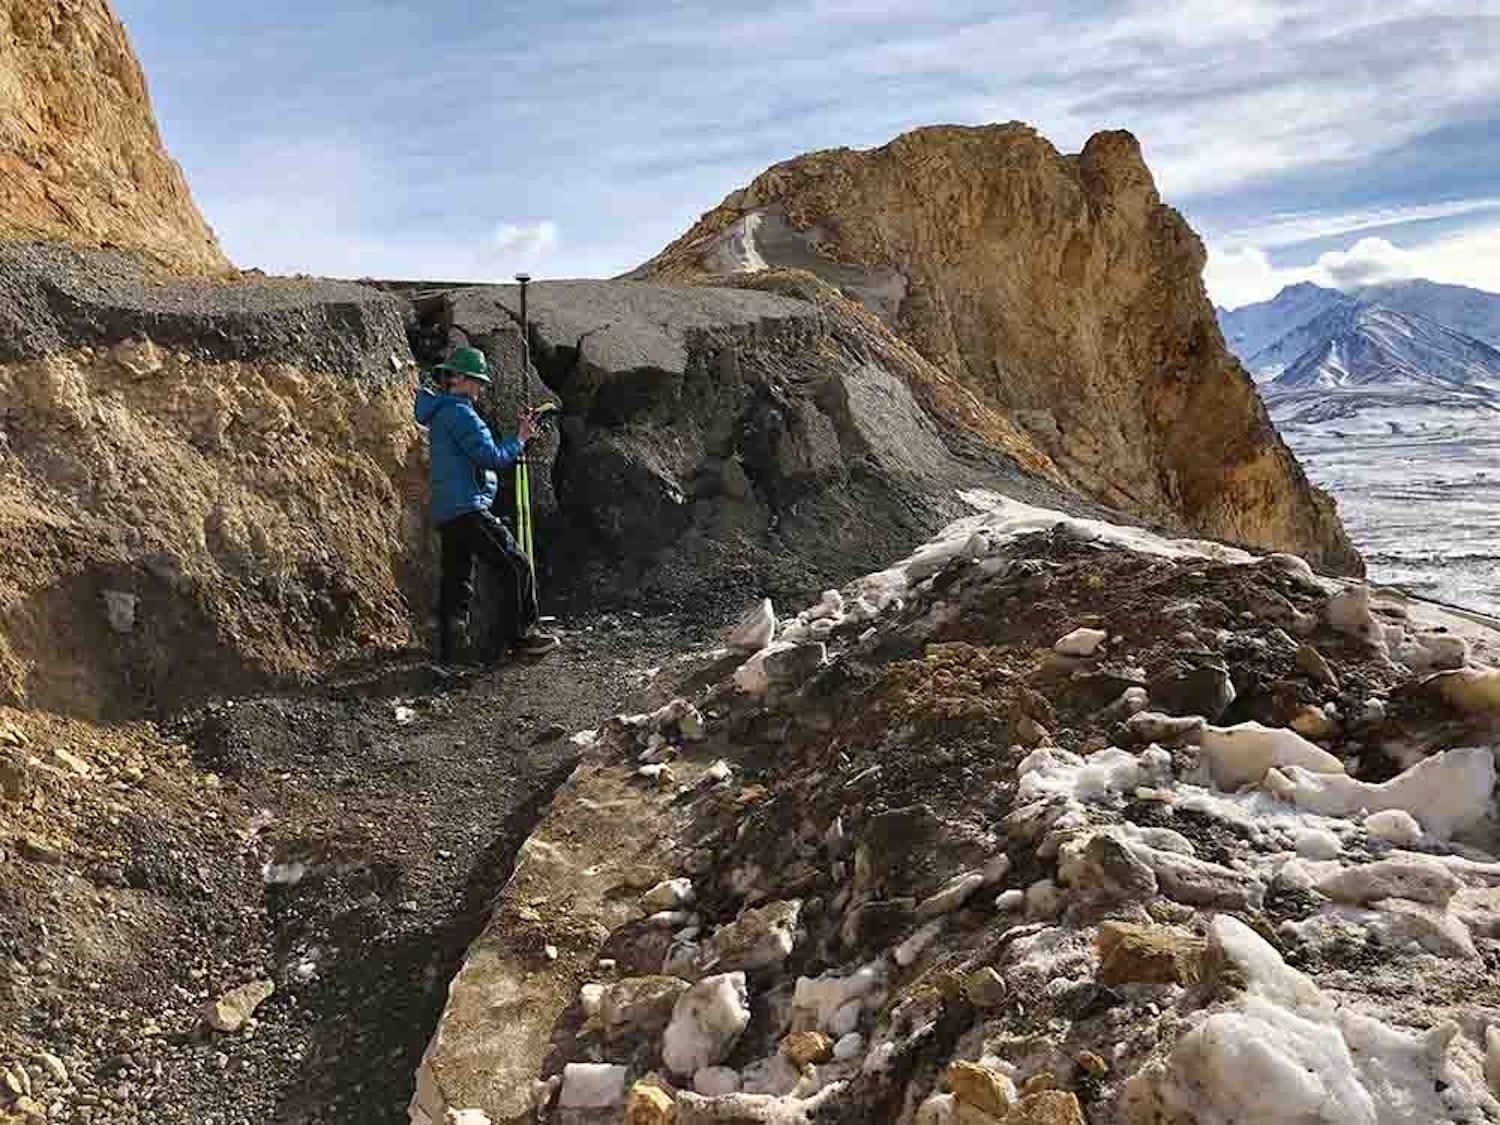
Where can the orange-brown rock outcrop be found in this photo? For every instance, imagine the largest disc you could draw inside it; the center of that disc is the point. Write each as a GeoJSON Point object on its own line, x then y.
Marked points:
{"type": "Point", "coordinates": [81, 159]}
{"type": "Point", "coordinates": [1064, 293]}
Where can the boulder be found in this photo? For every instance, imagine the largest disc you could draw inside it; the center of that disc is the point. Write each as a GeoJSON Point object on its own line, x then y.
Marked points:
{"type": "Point", "coordinates": [1136, 954]}
{"type": "Point", "coordinates": [639, 1006]}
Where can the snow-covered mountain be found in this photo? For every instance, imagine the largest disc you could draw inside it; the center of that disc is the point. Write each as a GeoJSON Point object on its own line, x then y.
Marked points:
{"type": "Point", "coordinates": [1359, 345]}
{"type": "Point", "coordinates": [1269, 336]}
{"type": "Point", "coordinates": [1408, 333]}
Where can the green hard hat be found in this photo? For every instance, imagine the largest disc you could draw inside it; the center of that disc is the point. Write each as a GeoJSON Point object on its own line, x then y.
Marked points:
{"type": "Point", "coordinates": [467, 361]}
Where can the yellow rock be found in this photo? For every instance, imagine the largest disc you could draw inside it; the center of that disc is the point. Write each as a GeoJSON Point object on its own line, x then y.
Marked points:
{"type": "Point", "coordinates": [804, 1047]}
{"type": "Point", "coordinates": [648, 1105]}
{"type": "Point", "coordinates": [1046, 1080]}
{"type": "Point", "coordinates": [1093, 1064]}
{"type": "Point", "coordinates": [979, 1086]}
{"type": "Point", "coordinates": [1131, 954]}
{"type": "Point", "coordinates": [1050, 1107]}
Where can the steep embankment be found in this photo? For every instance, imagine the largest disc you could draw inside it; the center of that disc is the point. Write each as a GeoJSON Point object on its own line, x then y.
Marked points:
{"type": "Point", "coordinates": [203, 485]}
{"type": "Point", "coordinates": [81, 160]}
{"type": "Point", "coordinates": [1062, 291]}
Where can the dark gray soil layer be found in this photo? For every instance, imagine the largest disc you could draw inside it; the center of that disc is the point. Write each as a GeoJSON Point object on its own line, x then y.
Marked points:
{"type": "Point", "coordinates": [54, 298]}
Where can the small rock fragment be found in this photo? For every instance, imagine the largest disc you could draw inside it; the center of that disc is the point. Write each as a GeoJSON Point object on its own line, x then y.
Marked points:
{"type": "Point", "coordinates": [716, 1081]}
{"type": "Point", "coordinates": [52, 1065]}
{"type": "Point", "coordinates": [1135, 954]}
{"type": "Point", "coordinates": [670, 894]}
{"type": "Point", "coordinates": [804, 1047]}
{"type": "Point", "coordinates": [648, 1105]}
{"type": "Point", "coordinates": [986, 1090]}
{"type": "Point", "coordinates": [1080, 642]}
{"type": "Point", "coordinates": [640, 1006]}
{"type": "Point", "coordinates": [985, 988]}
{"type": "Point", "coordinates": [1047, 1107]}
{"type": "Point", "coordinates": [952, 896]}
{"type": "Point", "coordinates": [230, 1012]}
{"type": "Point", "coordinates": [1311, 662]}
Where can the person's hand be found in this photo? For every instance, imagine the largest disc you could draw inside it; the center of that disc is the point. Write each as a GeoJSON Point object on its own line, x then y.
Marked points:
{"type": "Point", "coordinates": [526, 426]}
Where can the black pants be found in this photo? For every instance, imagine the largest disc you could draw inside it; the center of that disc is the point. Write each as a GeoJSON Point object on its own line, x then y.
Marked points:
{"type": "Point", "coordinates": [481, 536]}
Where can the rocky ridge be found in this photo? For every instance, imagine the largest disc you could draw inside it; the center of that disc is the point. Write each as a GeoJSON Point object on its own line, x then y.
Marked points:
{"type": "Point", "coordinates": [81, 158]}
{"type": "Point", "coordinates": [1063, 294]}
{"type": "Point", "coordinates": [1051, 821]}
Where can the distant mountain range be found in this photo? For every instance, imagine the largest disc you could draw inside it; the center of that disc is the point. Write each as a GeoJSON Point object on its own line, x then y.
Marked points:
{"type": "Point", "coordinates": [1322, 353]}
{"type": "Point", "coordinates": [1399, 334]}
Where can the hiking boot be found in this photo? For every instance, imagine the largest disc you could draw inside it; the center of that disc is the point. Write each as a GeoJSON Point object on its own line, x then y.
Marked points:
{"type": "Point", "coordinates": [453, 640]}
{"type": "Point", "coordinates": [536, 643]}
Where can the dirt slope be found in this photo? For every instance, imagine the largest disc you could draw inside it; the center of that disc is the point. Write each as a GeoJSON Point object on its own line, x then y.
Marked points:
{"type": "Point", "coordinates": [81, 159]}
{"type": "Point", "coordinates": [326, 842]}
{"type": "Point", "coordinates": [1062, 291]}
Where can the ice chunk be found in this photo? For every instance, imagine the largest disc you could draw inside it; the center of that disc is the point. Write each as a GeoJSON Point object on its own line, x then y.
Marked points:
{"type": "Point", "coordinates": [1318, 843]}
{"type": "Point", "coordinates": [1080, 642]}
{"type": "Point", "coordinates": [707, 1021]}
{"type": "Point", "coordinates": [1240, 755]}
{"type": "Point", "coordinates": [1283, 1052]}
{"type": "Point", "coordinates": [1416, 877]}
{"type": "Point", "coordinates": [592, 1085]}
{"type": "Point", "coordinates": [826, 994]}
{"type": "Point", "coordinates": [1102, 775]}
{"type": "Point", "coordinates": [830, 606]}
{"type": "Point", "coordinates": [755, 630]}
{"type": "Point", "coordinates": [1395, 826]}
{"type": "Point", "coordinates": [1445, 793]}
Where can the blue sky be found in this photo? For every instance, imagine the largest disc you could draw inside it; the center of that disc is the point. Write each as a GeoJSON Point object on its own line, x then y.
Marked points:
{"type": "Point", "coordinates": [1334, 142]}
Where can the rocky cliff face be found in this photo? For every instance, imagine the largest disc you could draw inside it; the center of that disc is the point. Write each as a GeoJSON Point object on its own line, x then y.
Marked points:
{"type": "Point", "coordinates": [1064, 294]}
{"type": "Point", "coordinates": [81, 160]}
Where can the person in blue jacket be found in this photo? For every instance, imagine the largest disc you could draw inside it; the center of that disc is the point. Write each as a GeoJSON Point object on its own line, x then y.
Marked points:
{"type": "Point", "coordinates": [466, 463]}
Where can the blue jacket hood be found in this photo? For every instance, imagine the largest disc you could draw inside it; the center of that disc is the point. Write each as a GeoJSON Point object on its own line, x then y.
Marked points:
{"type": "Point", "coordinates": [429, 402]}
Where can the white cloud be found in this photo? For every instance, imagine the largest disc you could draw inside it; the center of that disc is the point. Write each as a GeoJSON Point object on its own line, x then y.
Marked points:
{"type": "Point", "coordinates": [1238, 276]}
{"type": "Point", "coordinates": [1368, 262]}
{"type": "Point", "coordinates": [523, 244]}
{"type": "Point", "coordinates": [1291, 229]}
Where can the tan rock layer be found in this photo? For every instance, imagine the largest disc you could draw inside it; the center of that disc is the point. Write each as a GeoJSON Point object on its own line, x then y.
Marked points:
{"type": "Point", "coordinates": [257, 519]}
{"type": "Point", "coordinates": [1064, 294]}
{"type": "Point", "coordinates": [81, 159]}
